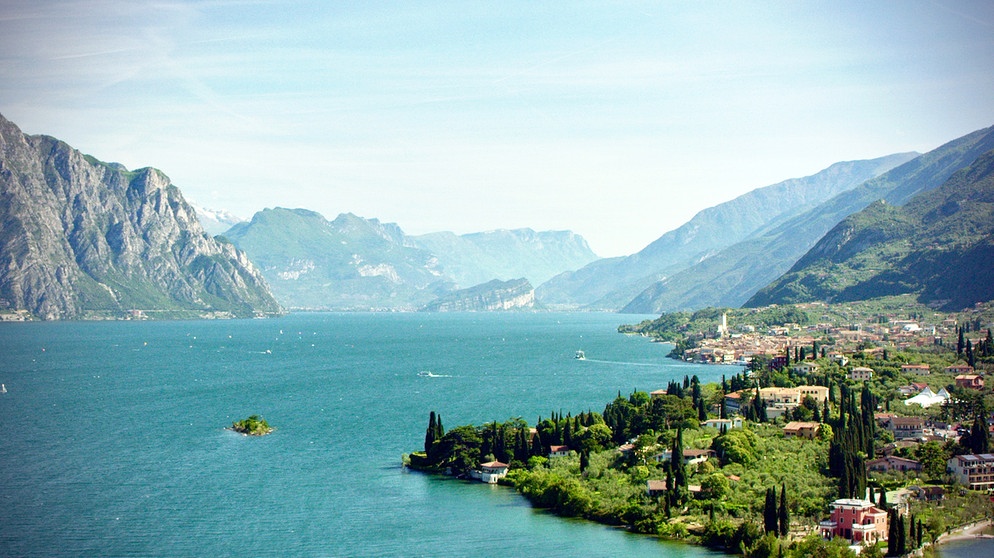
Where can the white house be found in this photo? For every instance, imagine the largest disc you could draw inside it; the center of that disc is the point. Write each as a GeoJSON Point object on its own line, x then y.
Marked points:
{"type": "Point", "coordinates": [491, 471]}
{"type": "Point", "coordinates": [558, 451]}
{"type": "Point", "coordinates": [724, 424]}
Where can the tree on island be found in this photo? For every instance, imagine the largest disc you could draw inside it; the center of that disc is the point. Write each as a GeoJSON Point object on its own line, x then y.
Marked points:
{"type": "Point", "coordinates": [252, 426]}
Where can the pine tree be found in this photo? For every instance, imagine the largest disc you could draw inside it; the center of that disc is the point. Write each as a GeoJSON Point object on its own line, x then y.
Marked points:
{"type": "Point", "coordinates": [783, 514]}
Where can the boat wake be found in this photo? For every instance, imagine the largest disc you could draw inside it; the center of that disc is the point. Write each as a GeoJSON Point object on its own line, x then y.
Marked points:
{"type": "Point", "coordinates": [430, 374]}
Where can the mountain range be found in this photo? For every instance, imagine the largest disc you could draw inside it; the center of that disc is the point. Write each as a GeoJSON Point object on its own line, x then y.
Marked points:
{"type": "Point", "coordinates": [612, 284]}
{"type": "Point", "coordinates": [352, 263]}
{"type": "Point", "coordinates": [81, 238]}
{"type": "Point", "coordinates": [732, 276]}
{"type": "Point", "coordinates": [939, 245]}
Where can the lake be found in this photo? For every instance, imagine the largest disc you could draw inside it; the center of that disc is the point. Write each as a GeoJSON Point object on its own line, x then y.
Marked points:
{"type": "Point", "coordinates": [114, 439]}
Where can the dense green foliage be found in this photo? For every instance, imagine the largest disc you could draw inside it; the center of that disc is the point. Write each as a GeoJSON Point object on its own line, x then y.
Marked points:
{"type": "Point", "coordinates": [252, 426]}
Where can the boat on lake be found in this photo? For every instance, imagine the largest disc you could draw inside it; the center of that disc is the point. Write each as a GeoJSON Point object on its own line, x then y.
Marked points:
{"type": "Point", "coordinates": [580, 356]}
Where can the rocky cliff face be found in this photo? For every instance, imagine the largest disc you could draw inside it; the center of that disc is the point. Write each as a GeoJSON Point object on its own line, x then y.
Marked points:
{"type": "Point", "coordinates": [80, 238]}
{"type": "Point", "coordinates": [495, 295]}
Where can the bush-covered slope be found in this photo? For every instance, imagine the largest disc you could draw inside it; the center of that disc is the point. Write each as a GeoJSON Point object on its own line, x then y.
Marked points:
{"type": "Point", "coordinates": [940, 246]}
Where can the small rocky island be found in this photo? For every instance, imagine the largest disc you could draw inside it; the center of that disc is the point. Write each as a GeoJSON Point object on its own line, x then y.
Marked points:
{"type": "Point", "coordinates": [252, 426]}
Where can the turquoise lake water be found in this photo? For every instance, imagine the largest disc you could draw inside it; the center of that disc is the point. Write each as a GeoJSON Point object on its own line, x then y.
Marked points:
{"type": "Point", "coordinates": [112, 439]}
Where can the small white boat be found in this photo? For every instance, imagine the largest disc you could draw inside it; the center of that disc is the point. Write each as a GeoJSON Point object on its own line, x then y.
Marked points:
{"type": "Point", "coordinates": [580, 356]}
{"type": "Point", "coordinates": [3, 388]}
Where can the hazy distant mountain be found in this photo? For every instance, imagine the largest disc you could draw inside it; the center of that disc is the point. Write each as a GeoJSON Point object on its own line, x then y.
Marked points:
{"type": "Point", "coordinates": [475, 258]}
{"type": "Point", "coordinates": [939, 246]}
{"type": "Point", "coordinates": [353, 263]}
{"type": "Point", "coordinates": [350, 263]}
{"type": "Point", "coordinates": [80, 238]}
{"type": "Point", "coordinates": [612, 283]}
{"type": "Point", "coordinates": [496, 295]}
{"type": "Point", "coordinates": [216, 221]}
{"type": "Point", "coordinates": [732, 276]}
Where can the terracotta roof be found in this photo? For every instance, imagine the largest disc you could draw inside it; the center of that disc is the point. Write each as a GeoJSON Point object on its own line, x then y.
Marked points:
{"type": "Point", "coordinates": [494, 464]}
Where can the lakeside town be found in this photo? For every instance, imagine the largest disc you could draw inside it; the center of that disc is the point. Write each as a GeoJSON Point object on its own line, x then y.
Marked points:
{"type": "Point", "coordinates": [833, 439]}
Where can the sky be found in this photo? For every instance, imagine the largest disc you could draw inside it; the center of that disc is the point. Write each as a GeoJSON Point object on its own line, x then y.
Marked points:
{"type": "Point", "coordinates": [616, 120]}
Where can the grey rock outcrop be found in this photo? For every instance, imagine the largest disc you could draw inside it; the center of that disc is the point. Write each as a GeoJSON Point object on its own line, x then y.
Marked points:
{"type": "Point", "coordinates": [496, 295]}
{"type": "Point", "coordinates": [80, 238]}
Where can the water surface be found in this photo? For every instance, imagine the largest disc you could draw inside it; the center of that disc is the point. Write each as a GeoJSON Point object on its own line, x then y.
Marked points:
{"type": "Point", "coordinates": [113, 439]}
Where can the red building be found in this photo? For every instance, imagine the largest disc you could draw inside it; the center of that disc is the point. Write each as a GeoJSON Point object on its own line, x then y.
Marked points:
{"type": "Point", "coordinates": [857, 520]}
{"type": "Point", "coordinates": [970, 381]}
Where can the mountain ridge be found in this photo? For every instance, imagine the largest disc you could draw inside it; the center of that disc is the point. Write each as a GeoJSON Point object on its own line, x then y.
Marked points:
{"type": "Point", "coordinates": [939, 245]}
{"type": "Point", "coordinates": [612, 284]}
{"type": "Point", "coordinates": [733, 276]}
{"type": "Point", "coordinates": [354, 263]}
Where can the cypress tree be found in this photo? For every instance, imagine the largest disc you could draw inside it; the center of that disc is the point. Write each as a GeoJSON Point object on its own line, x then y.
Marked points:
{"type": "Point", "coordinates": [537, 449]}
{"type": "Point", "coordinates": [430, 432]}
{"type": "Point", "coordinates": [892, 537]}
{"type": "Point", "coordinates": [770, 520]}
{"type": "Point", "coordinates": [902, 541]}
{"type": "Point", "coordinates": [676, 460]}
{"type": "Point", "coordinates": [783, 514]}
{"type": "Point", "coordinates": [882, 503]}
{"type": "Point", "coordinates": [439, 429]}
{"type": "Point", "coordinates": [920, 530]}
{"type": "Point", "coordinates": [672, 495]}
{"type": "Point", "coordinates": [911, 531]}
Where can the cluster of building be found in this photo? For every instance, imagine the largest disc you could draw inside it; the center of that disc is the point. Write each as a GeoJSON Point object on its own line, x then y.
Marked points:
{"type": "Point", "coordinates": [778, 400]}
{"type": "Point", "coordinates": [730, 345]}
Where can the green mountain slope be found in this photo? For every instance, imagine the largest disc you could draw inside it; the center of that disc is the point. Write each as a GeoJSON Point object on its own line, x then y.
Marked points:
{"type": "Point", "coordinates": [939, 246]}
{"type": "Point", "coordinates": [611, 284]}
{"type": "Point", "coordinates": [735, 274]}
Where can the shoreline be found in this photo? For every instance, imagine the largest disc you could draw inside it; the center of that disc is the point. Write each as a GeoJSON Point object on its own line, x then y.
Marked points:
{"type": "Point", "coordinates": [969, 532]}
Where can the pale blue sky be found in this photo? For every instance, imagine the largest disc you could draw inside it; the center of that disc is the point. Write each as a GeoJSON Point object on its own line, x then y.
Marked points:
{"type": "Point", "coordinates": [618, 121]}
